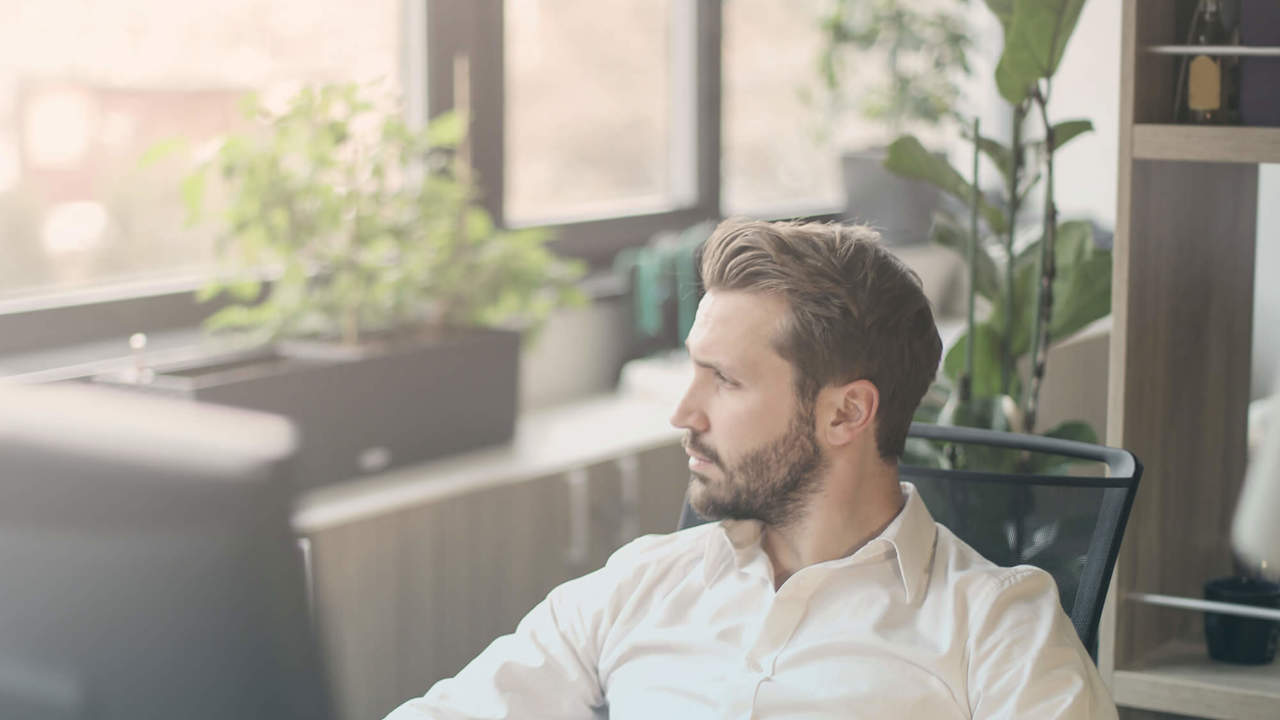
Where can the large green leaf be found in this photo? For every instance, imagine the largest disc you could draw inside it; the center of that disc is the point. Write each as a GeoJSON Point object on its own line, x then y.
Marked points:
{"type": "Point", "coordinates": [1082, 290]}
{"type": "Point", "coordinates": [1002, 9]}
{"type": "Point", "coordinates": [1081, 285]}
{"type": "Point", "coordinates": [986, 360]}
{"type": "Point", "coordinates": [946, 231]}
{"type": "Point", "coordinates": [908, 158]}
{"type": "Point", "coordinates": [1046, 464]}
{"type": "Point", "coordinates": [1034, 40]}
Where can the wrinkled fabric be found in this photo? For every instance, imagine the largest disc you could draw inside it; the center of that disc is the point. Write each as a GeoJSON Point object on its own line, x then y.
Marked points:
{"type": "Point", "coordinates": [914, 624]}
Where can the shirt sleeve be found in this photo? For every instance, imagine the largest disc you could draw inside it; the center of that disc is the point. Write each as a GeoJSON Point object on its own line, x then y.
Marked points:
{"type": "Point", "coordinates": [547, 668]}
{"type": "Point", "coordinates": [1026, 660]}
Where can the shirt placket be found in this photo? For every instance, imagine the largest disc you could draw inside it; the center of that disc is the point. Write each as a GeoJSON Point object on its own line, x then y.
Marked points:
{"type": "Point", "coordinates": [775, 630]}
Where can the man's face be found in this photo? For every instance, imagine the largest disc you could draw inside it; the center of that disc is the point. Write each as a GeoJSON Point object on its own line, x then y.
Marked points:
{"type": "Point", "coordinates": [752, 445]}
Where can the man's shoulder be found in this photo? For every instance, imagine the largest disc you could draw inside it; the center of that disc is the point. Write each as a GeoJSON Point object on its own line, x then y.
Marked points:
{"type": "Point", "coordinates": [688, 544]}
{"type": "Point", "coordinates": [981, 582]}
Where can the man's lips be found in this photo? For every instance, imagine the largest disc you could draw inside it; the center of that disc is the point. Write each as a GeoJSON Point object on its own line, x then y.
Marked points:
{"type": "Point", "coordinates": [698, 461]}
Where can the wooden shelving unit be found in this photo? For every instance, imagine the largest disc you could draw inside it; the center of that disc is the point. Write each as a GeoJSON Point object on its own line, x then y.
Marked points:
{"type": "Point", "coordinates": [1182, 680]}
{"type": "Point", "coordinates": [1182, 302]}
{"type": "Point", "coordinates": [1206, 143]}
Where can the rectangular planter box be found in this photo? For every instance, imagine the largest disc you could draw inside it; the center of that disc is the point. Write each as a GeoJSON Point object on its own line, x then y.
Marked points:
{"type": "Point", "coordinates": [367, 409]}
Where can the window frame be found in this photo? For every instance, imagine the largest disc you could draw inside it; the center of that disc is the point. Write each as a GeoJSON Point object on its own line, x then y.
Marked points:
{"type": "Point", "coordinates": [475, 28]}
{"type": "Point", "coordinates": [434, 31]}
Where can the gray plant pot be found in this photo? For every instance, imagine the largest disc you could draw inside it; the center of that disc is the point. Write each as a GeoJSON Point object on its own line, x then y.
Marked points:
{"type": "Point", "coordinates": [901, 209]}
{"type": "Point", "coordinates": [371, 408]}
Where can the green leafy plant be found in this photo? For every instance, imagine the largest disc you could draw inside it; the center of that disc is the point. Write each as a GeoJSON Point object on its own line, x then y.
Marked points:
{"type": "Point", "coordinates": [922, 53]}
{"type": "Point", "coordinates": [1043, 280]}
{"type": "Point", "coordinates": [369, 225]}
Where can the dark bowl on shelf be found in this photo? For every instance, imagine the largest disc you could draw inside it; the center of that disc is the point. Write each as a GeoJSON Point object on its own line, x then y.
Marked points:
{"type": "Point", "coordinates": [1237, 639]}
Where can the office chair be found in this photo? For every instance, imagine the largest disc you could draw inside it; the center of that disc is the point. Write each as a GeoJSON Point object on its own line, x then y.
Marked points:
{"type": "Point", "coordinates": [1069, 525]}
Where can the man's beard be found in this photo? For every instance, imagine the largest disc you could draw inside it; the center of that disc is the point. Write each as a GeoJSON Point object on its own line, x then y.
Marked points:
{"type": "Point", "coordinates": [769, 483]}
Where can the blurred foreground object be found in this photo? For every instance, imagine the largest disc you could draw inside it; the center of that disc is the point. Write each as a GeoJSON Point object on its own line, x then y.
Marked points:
{"type": "Point", "coordinates": [1255, 532]}
{"type": "Point", "coordinates": [149, 567]}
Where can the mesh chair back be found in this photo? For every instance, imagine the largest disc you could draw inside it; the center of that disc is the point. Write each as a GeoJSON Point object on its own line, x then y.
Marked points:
{"type": "Point", "coordinates": [1065, 511]}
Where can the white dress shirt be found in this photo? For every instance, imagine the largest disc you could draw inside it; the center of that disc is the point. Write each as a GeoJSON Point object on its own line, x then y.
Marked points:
{"type": "Point", "coordinates": [915, 624]}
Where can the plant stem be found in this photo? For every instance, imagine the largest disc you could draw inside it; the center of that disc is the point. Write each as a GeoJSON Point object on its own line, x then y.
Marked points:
{"type": "Point", "coordinates": [1040, 337]}
{"type": "Point", "coordinates": [1015, 172]}
{"type": "Point", "coordinates": [971, 256]}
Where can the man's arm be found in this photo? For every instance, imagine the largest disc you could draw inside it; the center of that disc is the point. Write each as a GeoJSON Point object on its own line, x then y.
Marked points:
{"type": "Point", "coordinates": [1026, 660]}
{"type": "Point", "coordinates": [547, 668]}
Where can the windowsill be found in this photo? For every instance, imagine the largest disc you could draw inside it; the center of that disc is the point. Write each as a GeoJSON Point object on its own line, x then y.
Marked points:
{"type": "Point", "coordinates": [73, 360]}
{"type": "Point", "coordinates": [547, 442]}
{"type": "Point", "coordinates": [81, 360]}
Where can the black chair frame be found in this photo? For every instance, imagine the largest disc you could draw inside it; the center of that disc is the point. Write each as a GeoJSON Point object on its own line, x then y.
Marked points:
{"type": "Point", "coordinates": [1119, 487]}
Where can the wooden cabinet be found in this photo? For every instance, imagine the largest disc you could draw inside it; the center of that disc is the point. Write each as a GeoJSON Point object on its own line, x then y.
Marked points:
{"type": "Point", "coordinates": [1178, 396]}
{"type": "Point", "coordinates": [416, 571]}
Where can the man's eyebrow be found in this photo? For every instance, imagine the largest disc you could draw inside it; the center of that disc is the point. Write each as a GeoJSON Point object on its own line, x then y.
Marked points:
{"type": "Point", "coordinates": [707, 363]}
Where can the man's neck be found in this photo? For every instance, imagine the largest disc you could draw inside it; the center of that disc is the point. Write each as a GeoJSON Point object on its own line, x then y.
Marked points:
{"type": "Point", "coordinates": [849, 512]}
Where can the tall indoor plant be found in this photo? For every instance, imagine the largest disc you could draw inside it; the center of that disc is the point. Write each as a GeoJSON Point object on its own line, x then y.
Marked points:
{"type": "Point", "coordinates": [1043, 279]}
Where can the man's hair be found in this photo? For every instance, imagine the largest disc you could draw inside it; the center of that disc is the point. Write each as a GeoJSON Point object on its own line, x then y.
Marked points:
{"type": "Point", "coordinates": [855, 310]}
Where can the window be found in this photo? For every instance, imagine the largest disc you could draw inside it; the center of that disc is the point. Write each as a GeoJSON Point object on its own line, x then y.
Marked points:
{"type": "Point", "coordinates": [87, 87]}
{"type": "Point", "coordinates": [602, 119]}
{"type": "Point", "coordinates": [779, 156]}
{"type": "Point", "coordinates": [595, 124]}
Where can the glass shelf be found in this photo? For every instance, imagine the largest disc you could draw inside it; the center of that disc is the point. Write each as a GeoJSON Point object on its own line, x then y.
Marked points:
{"type": "Point", "coordinates": [1185, 603]}
{"type": "Point", "coordinates": [1227, 50]}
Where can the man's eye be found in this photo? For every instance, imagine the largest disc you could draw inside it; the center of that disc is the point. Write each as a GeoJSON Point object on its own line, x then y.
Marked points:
{"type": "Point", "coordinates": [720, 377]}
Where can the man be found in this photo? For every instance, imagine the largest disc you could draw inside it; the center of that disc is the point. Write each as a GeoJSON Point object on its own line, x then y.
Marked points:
{"type": "Point", "coordinates": [827, 590]}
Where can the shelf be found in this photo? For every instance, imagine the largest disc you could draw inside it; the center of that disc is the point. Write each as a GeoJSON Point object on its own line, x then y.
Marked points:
{"type": "Point", "coordinates": [1181, 679]}
{"type": "Point", "coordinates": [1198, 605]}
{"type": "Point", "coordinates": [1227, 50]}
{"type": "Point", "coordinates": [1207, 143]}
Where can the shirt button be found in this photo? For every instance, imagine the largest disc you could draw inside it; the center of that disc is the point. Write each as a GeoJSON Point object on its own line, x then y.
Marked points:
{"type": "Point", "coordinates": [754, 665]}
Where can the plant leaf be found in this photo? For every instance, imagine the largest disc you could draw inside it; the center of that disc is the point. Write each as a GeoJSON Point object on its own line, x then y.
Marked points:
{"type": "Point", "coordinates": [1082, 288]}
{"type": "Point", "coordinates": [1003, 10]}
{"type": "Point", "coordinates": [1049, 464]}
{"type": "Point", "coordinates": [162, 150]}
{"type": "Point", "coordinates": [986, 360]}
{"type": "Point", "coordinates": [946, 231]}
{"type": "Point", "coordinates": [1066, 130]}
{"type": "Point", "coordinates": [193, 194]}
{"type": "Point", "coordinates": [1034, 40]}
{"type": "Point", "coordinates": [1077, 430]}
{"type": "Point", "coordinates": [445, 129]}
{"type": "Point", "coordinates": [998, 153]}
{"type": "Point", "coordinates": [1081, 285]}
{"type": "Point", "coordinates": [908, 158]}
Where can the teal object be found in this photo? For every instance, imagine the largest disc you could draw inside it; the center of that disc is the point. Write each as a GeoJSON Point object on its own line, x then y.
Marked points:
{"type": "Point", "coordinates": [664, 269]}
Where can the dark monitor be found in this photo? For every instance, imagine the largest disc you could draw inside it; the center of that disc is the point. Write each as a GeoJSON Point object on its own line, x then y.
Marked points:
{"type": "Point", "coordinates": [147, 566]}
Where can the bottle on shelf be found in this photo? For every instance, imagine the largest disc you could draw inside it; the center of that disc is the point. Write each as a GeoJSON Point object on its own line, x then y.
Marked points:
{"type": "Point", "coordinates": [1206, 77]}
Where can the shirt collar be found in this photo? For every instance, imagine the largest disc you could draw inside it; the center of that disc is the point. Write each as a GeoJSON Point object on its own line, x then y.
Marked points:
{"type": "Point", "coordinates": [911, 535]}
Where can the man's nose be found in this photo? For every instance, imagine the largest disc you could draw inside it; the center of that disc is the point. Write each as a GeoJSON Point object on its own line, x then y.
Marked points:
{"type": "Point", "coordinates": [687, 415]}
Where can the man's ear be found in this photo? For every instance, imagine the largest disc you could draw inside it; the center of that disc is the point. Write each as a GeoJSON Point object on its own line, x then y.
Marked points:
{"type": "Point", "coordinates": [848, 411]}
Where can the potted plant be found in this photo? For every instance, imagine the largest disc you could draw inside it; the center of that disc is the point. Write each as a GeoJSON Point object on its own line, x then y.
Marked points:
{"type": "Point", "coordinates": [1042, 278]}
{"type": "Point", "coordinates": [382, 306]}
{"type": "Point", "coordinates": [921, 54]}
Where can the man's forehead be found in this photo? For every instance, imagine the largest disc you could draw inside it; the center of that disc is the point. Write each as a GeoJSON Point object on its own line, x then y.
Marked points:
{"type": "Point", "coordinates": [738, 318]}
